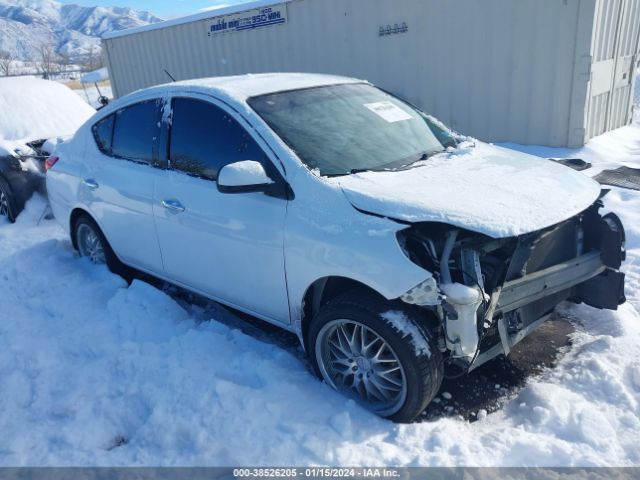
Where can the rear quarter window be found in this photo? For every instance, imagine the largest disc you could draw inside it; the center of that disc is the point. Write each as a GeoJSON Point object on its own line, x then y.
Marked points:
{"type": "Point", "coordinates": [136, 132]}
{"type": "Point", "coordinates": [103, 134]}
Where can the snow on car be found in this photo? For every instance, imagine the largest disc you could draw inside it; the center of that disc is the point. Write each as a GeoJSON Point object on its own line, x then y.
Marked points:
{"type": "Point", "coordinates": [95, 372]}
{"type": "Point", "coordinates": [396, 252]}
{"type": "Point", "coordinates": [34, 114]}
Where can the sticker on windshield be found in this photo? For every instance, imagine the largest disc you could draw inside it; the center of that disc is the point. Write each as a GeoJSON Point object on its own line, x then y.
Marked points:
{"type": "Point", "coordinates": [389, 112]}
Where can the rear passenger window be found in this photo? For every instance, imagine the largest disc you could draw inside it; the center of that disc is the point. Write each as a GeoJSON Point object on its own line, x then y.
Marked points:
{"type": "Point", "coordinates": [204, 138]}
{"type": "Point", "coordinates": [103, 134]}
{"type": "Point", "coordinates": [136, 132]}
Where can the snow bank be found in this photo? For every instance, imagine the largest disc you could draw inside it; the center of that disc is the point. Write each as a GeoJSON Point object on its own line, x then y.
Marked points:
{"type": "Point", "coordinates": [48, 110]}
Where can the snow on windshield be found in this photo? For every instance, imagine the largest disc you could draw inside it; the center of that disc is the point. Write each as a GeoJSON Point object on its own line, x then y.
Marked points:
{"type": "Point", "coordinates": [34, 109]}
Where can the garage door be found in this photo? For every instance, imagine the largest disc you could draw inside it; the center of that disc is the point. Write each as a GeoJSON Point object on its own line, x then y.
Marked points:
{"type": "Point", "coordinates": [616, 51]}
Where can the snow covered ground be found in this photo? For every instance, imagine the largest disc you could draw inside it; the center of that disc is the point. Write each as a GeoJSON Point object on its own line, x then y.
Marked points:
{"type": "Point", "coordinates": [95, 372]}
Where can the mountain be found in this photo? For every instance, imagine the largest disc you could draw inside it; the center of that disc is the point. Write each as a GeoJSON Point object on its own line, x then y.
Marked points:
{"type": "Point", "coordinates": [72, 30]}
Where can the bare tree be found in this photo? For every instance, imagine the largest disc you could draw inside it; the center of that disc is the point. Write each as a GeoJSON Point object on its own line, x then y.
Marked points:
{"type": "Point", "coordinates": [93, 58]}
{"type": "Point", "coordinates": [6, 61]}
{"type": "Point", "coordinates": [90, 57]}
{"type": "Point", "coordinates": [47, 60]}
{"type": "Point", "coordinates": [64, 61]}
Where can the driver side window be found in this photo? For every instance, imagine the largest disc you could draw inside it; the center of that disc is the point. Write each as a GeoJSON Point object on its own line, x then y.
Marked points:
{"type": "Point", "coordinates": [205, 138]}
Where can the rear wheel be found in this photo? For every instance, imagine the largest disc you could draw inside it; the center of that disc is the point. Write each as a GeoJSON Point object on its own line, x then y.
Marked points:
{"type": "Point", "coordinates": [92, 244]}
{"type": "Point", "coordinates": [378, 353]}
{"type": "Point", "coordinates": [7, 202]}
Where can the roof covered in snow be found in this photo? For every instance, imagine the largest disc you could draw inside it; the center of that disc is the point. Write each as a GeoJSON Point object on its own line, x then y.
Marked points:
{"type": "Point", "coordinates": [242, 87]}
{"type": "Point", "coordinates": [95, 76]}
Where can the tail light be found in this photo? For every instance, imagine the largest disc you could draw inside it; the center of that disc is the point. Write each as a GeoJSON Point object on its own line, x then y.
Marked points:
{"type": "Point", "coordinates": [50, 162]}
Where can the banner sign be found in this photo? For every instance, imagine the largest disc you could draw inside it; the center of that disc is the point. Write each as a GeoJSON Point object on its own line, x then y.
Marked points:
{"type": "Point", "coordinates": [249, 20]}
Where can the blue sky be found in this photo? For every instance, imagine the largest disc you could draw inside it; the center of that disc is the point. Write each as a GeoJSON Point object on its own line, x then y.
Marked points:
{"type": "Point", "coordinates": [162, 8]}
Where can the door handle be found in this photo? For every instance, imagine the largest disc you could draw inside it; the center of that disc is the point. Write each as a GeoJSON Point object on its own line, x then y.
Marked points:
{"type": "Point", "coordinates": [173, 205]}
{"type": "Point", "coordinates": [91, 183]}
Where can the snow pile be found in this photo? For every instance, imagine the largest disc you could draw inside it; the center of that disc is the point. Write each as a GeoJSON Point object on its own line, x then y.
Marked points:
{"type": "Point", "coordinates": [49, 110]}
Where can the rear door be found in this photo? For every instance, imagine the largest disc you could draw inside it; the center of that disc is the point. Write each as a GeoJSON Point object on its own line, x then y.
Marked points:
{"type": "Point", "coordinates": [228, 246]}
{"type": "Point", "coordinates": [119, 178]}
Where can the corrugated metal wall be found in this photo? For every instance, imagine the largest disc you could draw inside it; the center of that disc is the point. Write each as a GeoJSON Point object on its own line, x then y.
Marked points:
{"type": "Point", "coordinates": [616, 44]}
{"type": "Point", "coordinates": [500, 70]}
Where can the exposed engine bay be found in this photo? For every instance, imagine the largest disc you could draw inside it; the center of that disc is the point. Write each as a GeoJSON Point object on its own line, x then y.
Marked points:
{"type": "Point", "coordinates": [488, 294]}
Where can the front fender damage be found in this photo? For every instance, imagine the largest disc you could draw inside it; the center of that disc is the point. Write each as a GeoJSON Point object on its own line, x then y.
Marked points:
{"type": "Point", "coordinates": [488, 294]}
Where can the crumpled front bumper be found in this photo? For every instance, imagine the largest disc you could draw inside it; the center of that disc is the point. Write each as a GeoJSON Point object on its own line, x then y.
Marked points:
{"type": "Point", "coordinates": [592, 278]}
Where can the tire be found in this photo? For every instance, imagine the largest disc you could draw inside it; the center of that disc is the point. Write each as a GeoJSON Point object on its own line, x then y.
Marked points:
{"type": "Point", "coordinates": [409, 347]}
{"type": "Point", "coordinates": [102, 253]}
{"type": "Point", "coordinates": [8, 207]}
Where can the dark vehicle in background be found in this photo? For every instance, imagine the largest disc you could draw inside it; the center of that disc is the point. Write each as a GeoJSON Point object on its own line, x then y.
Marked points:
{"type": "Point", "coordinates": [34, 116]}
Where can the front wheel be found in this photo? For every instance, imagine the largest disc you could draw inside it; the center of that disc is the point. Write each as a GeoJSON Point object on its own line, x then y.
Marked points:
{"type": "Point", "coordinates": [378, 353]}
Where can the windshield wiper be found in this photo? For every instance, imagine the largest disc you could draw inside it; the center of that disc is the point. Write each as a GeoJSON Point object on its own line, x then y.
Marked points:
{"type": "Point", "coordinates": [421, 158]}
{"type": "Point", "coordinates": [394, 167]}
{"type": "Point", "coordinates": [362, 170]}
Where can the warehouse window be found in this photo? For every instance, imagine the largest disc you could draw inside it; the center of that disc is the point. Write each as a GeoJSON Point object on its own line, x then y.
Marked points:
{"type": "Point", "coordinates": [103, 134]}
{"type": "Point", "coordinates": [205, 138]}
{"type": "Point", "coordinates": [136, 132]}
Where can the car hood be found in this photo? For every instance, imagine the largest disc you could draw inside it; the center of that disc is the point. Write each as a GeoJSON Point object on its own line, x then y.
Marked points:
{"type": "Point", "coordinates": [478, 187]}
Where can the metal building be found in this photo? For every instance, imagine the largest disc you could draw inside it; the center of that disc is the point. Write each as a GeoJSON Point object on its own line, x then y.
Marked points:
{"type": "Point", "coordinates": [549, 72]}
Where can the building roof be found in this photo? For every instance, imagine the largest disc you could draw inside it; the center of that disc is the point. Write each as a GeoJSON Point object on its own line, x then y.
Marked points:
{"type": "Point", "coordinates": [95, 76]}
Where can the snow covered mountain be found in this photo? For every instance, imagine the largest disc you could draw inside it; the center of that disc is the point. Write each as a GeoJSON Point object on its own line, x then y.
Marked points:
{"type": "Point", "coordinates": [72, 30]}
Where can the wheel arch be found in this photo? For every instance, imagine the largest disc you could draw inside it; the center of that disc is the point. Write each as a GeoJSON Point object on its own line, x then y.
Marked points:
{"type": "Point", "coordinates": [319, 293]}
{"type": "Point", "coordinates": [73, 218]}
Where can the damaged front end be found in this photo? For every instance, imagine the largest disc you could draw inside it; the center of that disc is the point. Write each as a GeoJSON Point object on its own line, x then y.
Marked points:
{"type": "Point", "coordinates": [488, 294]}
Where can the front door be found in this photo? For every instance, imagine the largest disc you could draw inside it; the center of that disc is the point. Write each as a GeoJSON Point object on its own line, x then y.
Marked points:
{"type": "Point", "coordinates": [226, 246]}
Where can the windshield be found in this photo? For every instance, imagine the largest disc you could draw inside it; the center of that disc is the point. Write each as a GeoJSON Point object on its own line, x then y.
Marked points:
{"type": "Point", "coordinates": [345, 129]}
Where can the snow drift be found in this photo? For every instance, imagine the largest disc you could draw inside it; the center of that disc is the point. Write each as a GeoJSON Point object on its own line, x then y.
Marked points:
{"type": "Point", "coordinates": [50, 109]}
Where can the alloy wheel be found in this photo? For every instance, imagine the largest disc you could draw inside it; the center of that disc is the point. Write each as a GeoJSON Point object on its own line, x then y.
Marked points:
{"type": "Point", "coordinates": [90, 245]}
{"type": "Point", "coordinates": [354, 359]}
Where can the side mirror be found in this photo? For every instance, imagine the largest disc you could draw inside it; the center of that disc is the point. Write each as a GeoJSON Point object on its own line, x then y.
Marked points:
{"type": "Point", "coordinates": [242, 177]}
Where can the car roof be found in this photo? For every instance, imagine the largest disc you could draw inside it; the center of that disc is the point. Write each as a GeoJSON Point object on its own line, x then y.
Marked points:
{"type": "Point", "coordinates": [243, 87]}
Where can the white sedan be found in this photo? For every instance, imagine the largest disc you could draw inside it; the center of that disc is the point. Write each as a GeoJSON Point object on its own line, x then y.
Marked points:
{"type": "Point", "coordinates": [395, 249]}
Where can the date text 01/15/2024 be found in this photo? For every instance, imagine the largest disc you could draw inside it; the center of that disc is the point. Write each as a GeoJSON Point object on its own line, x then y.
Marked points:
{"type": "Point", "coordinates": [315, 472]}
